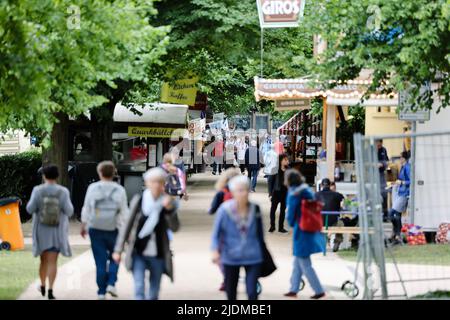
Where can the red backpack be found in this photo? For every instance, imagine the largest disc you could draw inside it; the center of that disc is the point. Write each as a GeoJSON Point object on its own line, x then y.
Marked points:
{"type": "Point", "coordinates": [311, 218]}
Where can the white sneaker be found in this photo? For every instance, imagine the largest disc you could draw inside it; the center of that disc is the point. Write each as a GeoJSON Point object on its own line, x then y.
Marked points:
{"type": "Point", "coordinates": [101, 297]}
{"type": "Point", "coordinates": [112, 291]}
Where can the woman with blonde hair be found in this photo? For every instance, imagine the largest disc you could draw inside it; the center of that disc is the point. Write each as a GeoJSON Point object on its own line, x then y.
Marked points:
{"type": "Point", "coordinates": [223, 194]}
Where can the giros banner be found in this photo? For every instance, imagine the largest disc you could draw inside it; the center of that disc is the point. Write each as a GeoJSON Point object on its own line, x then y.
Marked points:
{"type": "Point", "coordinates": [280, 13]}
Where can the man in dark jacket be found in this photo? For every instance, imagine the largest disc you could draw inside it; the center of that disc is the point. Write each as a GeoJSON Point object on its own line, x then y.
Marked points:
{"type": "Point", "coordinates": [332, 201]}
{"type": "Point", "coordinates": [382, 166]}
{"type": "Point", "coordinates": [278, 194]}
{"type": "Point", "coordinates": [253, 157]}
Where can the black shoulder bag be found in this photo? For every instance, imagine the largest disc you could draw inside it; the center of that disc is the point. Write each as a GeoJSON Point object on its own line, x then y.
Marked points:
{"type": "Point", "coordinates": [268, 265]}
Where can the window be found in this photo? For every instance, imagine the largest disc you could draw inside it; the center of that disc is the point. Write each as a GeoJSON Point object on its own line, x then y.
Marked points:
{"type": "Point", "coordinates": [130, 154]}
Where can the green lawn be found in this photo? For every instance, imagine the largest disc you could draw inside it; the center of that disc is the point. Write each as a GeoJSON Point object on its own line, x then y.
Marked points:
{"type": "Point", "coordinates": [19, 268]}
{"type": "Point", "coordinates": [432, 254]}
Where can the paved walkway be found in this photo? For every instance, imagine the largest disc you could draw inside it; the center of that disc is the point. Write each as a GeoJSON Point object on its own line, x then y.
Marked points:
{"type": "Point", "coordinates": [195, 275]}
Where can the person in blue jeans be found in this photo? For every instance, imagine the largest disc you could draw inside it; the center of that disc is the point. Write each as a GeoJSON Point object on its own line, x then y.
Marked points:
{"type": "Point", "coordinates": [153, 214]}
{"type": "Point", "coordinates": [104, 210]}
{"type": "Point", "coordinates": [304, 243]}
{"type": "Point", "coordinates": [253, 158]}
{"type": "Point", "coordinates": [235, 240]}
{"type": "Point", "coordinates": [401, 201]}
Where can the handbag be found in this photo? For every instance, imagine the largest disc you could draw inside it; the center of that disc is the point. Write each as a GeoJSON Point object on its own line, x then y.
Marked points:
{"type": "Point", "coordinates": [311, 217]}
{"type": "Point", "coordinates": [268, 265]}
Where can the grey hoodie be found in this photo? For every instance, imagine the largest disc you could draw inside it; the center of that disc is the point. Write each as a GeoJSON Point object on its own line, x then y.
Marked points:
{"type": "Point", "coordinates": [99, 190]}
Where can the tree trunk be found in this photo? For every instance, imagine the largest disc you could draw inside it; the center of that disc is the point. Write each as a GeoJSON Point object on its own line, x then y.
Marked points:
{"type": "Point", "coordinates": [102, 123]}
{"type": "Point", "coordinates": [58, 152]}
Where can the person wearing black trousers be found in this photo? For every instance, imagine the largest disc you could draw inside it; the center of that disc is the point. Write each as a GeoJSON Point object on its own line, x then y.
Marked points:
{"type": "Point", "coordinates": [382, 166]}
{"type": "Point", "coordinates": [278, 195]}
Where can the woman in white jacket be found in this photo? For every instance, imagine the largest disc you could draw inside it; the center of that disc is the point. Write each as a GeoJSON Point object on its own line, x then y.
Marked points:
{"type": "Point", "coordinates": [241, 147]}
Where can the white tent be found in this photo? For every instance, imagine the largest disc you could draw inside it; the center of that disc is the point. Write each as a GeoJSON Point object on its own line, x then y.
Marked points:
{"type": "Point", "coordinates": [152, 113]}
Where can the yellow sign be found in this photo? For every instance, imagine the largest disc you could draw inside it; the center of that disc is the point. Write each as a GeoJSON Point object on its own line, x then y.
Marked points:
{"type": "Point", "coordinates": [181, 92]}
{"type": "Point", "coordinates": [146, 132]}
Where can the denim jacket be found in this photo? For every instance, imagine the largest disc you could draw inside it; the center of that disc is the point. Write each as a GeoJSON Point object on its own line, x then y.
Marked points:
{"type": "Point", "coordinates": [405, 177]}
{"type": "Point", "coordinates": [236, 247]}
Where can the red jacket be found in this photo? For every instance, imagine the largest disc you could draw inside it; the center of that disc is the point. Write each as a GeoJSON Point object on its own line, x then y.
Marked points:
{"type": "Point", "coordinates": [218, 149]}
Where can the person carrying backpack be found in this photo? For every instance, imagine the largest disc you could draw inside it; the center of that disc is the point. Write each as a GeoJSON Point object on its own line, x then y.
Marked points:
{"type": "Point", "coordinates": [307, 239]}
{"type": "Point", "coordinates": [51, 208]}
{"type": "Point", "coordinates": [175, 181]}
{"type": "Point", "coordinates": [104, 211]}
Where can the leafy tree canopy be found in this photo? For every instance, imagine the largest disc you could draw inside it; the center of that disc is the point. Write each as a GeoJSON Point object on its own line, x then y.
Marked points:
{"type": "Point", "coordinates": [219, 41]}
{"type": "Point", "coordinates": [55, 53]}
{"type": "Point", "coordinates": [404, 42]}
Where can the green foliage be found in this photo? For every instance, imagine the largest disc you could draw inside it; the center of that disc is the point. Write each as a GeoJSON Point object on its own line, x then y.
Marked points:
{"type": "Point", "coordinates": [355, 123]}
{"type": "Point", "coordinates": [402, 41]}
{"type": "Point", "coordinates": [219, 41]}
{"type": "Point", "coordinates": [18, 269]}
{"type": "Point", "coordinates": [19, 176]}
{"type": "Point", "coordinates": [429, 254]}
{"type": "Point", "coordinates": [54, 60]}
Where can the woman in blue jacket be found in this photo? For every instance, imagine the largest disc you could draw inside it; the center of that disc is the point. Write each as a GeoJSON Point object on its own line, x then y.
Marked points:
{"type": "Point", "coordinates": [236, 242]}
{"type": "Point", "coordinates": [304, 243]}
{"type": "Point", "coordinates": [401, 201]}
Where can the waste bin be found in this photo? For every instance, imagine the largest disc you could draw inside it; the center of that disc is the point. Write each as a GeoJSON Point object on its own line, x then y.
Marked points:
{"type": "Point", "coordinates": [10, 225]}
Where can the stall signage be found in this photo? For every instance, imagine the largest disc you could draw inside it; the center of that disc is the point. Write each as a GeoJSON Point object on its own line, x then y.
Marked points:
{"type": "Point", "coordinates": [152, 155]}
{"type": "Point", "coordinates": [146, 132]}
{"type": "Point", "coordinates": [406, 114]}
{"type": "Point", "coordinates": [292, 104]}
{"type": "Point", "coordinates": [406, 107]}
{"type": "Point", "coordinates": [180, 92]}
{"type": "Point", "coordinates": [218, 116]}
{"type": "Point", "coordinates": [196, 128]}
{"type": "Point", "coordinates": [280, 13]}
{"type": "Point", "coordinates": [216, 127]}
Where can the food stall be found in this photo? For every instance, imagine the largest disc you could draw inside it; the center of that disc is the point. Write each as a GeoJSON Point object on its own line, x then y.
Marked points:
{"type": "Point", "coordinates": [141, 139]}
{"type": "Point", "coordinates": [343, 94]}
{"type": "Point", "coordinates": [303, 140]}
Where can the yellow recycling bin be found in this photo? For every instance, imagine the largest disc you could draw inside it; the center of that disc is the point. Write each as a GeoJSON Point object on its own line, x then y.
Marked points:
{"type": "Point", "coordinates": [11, 235]}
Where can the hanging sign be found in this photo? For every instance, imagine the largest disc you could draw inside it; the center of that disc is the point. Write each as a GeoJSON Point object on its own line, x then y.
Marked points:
{"type": "Point", "coordinates": [280, 13]}
{"type": "Point", "coordinates": [147, 132]}
{"type": "Point", "coordinates": [406, 106]}
{"type": "Point", "coordinates": [152, 155]}
{"type": "Point", "coordinates": [292, 104]}
{"type": "Point", "coordinates": [407, 114]}
{"type": "Point", "coordinates": [218, 116]}
{"type": "Point", "coordinates": [196, 128]}
{"type": "Point", "coordinates": [215, 127]}
{"type": "Point", "coordinates": [180, 92]}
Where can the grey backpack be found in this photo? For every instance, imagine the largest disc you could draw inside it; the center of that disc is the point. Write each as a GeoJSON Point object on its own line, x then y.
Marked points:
{"type": "Point", "coordinates": [106, 210]}
{"type": "Point", "coordinates": [51, 209]}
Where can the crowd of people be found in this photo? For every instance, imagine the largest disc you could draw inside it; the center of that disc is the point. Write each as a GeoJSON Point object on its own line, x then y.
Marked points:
{"type": "Point", "coordinates": [141, 230]}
